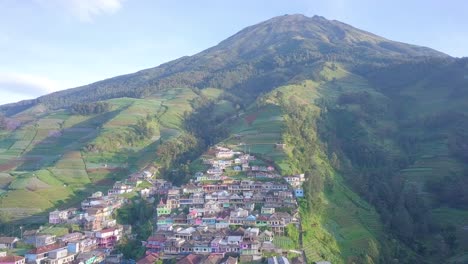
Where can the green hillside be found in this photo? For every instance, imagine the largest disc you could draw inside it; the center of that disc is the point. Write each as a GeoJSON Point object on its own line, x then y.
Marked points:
{"type": "Point", "coordinates": [56, 158]}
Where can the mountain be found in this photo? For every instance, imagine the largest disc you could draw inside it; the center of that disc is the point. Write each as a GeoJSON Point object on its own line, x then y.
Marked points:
{"type": "Point", "coordinates": [262, 49]}
{"type": "Point", "coordinates": [378, 127]}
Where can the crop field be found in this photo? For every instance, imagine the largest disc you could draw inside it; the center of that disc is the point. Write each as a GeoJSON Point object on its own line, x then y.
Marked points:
{"type": "Point", "coordinates": [352, 221]}
{"type": "Point", "coordinates": [258, 132]}
{"type": "Point", "coordinates": [47, 160]}
{"type": "Point", "coordinates": [348, 220]}
{"type": "Point", "coordinates": [283, 242]}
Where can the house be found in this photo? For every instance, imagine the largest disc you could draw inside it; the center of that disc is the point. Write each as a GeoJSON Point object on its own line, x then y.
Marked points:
{"type": "Point", "coordinates": [162, 209]}
{"type": "Point", "coordinates": [120, 188]}
{"type": "Point", "coordinates": [95, 256]}
{"type": "Point", "coordinates": [39, 254]}
{"type": "Point", "coordinates": [278, 260]}
{"type": "Point", "coordinates": [173, 245]}
{"type": "Point", "coordinates": [145, 193]}
{"type": "Point", "coordinates": [149, 259]}
{"type": "Point", "coordinates": [265, 236]}
{"type": "Point", "coordinates": [280, 145]}
{"type": "Point", "coordinates": [57, 217]}
{"type": "Point", "coordinates": [91, 223]}
{"type": "Point", "coordinates": [39, 240]}
{"type": "Point", "coordinates": [299, 193]}
{"type": "Point", "coordinates": [155, 243]}
{"type": "Point", "coordinates": [164, 222]}
{"type": "Point", "coordinates": [214, 171]}
{"type": "Point", "coordinates": [201, 247]}
{"type": "Point", "coordinates": [71, 237]}
{"type": "Point", "coordinates": [230, 260]}
{"type": "Point", "coordinates": [8, 242]}
{"type": "Point", "coordinates": [237, 168]}
{"type": "Point", "coordinates": [4, 259]}
{"type": "Point", "coordinates": [267, 210]}
{"type": "Point", "coordinates": [115, 258]}
{"type": "Point", "coordinates": [108, 238]}
{"type": "Point", "coordinates": [213, 259]}
{"type": "Point", "coordinates": [225, 154]}
{"type": "Point", "coordinates": [83, 245]}
{"type": "Point", "coordinates": [191, 259]}
{"type": "Point", "coordinates": [147, 174]}
{"type": "Point", "coordinates": [191, 188]}
{"type": "Point", "coordinates": [59, 256]}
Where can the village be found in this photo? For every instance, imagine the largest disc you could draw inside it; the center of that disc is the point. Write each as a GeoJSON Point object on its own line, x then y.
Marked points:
{"type": "Point", "coordinates": [234, 212]}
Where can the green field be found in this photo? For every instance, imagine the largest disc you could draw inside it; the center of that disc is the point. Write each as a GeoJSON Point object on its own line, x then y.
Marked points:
{"type": "Point", "coordinates": [46, 160]}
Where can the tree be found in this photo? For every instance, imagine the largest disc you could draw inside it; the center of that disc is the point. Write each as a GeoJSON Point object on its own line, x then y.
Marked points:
{"type": "Point", "coordinates": [3, 124]}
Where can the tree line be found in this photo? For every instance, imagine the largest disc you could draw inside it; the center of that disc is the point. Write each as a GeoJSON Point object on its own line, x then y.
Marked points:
{"type": "Point", "coordinates": [90, 108]}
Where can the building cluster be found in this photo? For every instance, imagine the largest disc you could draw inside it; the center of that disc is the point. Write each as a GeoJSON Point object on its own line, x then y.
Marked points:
{"type": "Point", "coordinates": [250, 243]}
{"type": "Point", "coordinates": [230, 212]}
{"type": "Point", "coordinates": [99, 231]}
{"type": "Point", "coordinates": [217, 214]}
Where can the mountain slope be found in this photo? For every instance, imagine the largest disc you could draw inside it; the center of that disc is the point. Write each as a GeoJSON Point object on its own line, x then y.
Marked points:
{"type": "Point", "coordinates": [379, 128]}
{"type": "Point", "coordinates": [261, 49]}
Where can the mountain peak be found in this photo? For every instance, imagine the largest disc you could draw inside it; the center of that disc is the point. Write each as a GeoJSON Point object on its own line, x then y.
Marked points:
{"type": "Point", "coordinates": [293, 33]}
{"type": "Point", "coordinates": [277, 44]}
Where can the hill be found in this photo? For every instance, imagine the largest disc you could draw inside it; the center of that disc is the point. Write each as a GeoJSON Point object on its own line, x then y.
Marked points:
{"type": "Point", "coordinates": [378, 127]}
{"type": "Point", "coordinates": [270, 52]}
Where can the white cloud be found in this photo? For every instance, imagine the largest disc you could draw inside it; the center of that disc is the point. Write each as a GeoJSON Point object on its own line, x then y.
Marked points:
{"type": "Point", "coordinates": [26, 85]}
{"type": "Point", "coordinates": [85, 10]}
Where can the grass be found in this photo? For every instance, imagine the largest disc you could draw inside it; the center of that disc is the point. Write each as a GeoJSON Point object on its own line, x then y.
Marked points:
{"type": "Point", "coordinates": [49, 150]}
{"type": "Point", "coordinates": [55, 230]}
{"type": "Point", "coordinates": [284, 242]}
{"type": "Point", "coordinates": [24, 199]}
{"type": "Point", "coordinates": [351, 220]}
{"type": "Point", "coordinates": [257, 132]}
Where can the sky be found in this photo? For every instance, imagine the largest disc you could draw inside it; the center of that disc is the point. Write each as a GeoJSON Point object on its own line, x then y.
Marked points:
{"type": "Point", "coordinates": [50, 45]}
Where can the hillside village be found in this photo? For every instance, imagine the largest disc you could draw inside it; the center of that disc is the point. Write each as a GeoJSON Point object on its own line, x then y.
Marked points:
{"type": "Point", "coordinates": [239, 210]}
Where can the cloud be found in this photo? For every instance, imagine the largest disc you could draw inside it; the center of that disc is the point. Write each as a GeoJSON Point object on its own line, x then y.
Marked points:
{"type": "Point", "coordinates": [85, 10]}
{"type": "Point", "coordinates": [26, 85]}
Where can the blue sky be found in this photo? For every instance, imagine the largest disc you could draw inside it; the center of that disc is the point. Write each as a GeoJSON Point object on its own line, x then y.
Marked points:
{"type": "Point", "coordinates": [49, 45]}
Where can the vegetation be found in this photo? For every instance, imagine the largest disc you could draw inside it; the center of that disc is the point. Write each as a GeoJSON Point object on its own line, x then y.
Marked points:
{"type": "Point", "coordinates": [90, 108]}
{"type": "Point", "coordinates": [3, 123]}
{"type": "Point", "coordinates": [139, 214]}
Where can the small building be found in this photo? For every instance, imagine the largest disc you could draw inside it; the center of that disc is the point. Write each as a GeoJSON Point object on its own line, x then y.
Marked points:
{"type": "Point", "coordinates": [39, 240]}
{"type": "Point", "coordinates": [190, 259]}
{"type": "Point", "coordinates": [57, 217]}
{"type": "Point", "coordinates": [230, 260]}
{"type": "Point", "coordinates": [227, 154]}
{"type": "Point", "coordinates": [299, 193]}
{"type": "Point", "coordinates": [39, 254]}
{"type": "Point", "coordinates": [108, 238]}
{"type": "Point", "coordinates": [95, 256]}
{"type": "Point", "coordinates": [8, 242]}
{"type": "Point", "coordinates": [4, 259]}
{"type": "Point", "coordinates": [71, 237]}
{"type": "Point", "coordinates": [278, 260]}
{"type": "Point", "coordinates": [280, 145]}
{"type": "Point", "coordinates": [268, 210]}
{"type": "Point", "coordinates": [149, 259]}
{"type": "Point", "coordinates": [59, 256]}
{"type": "Point", "coordinates": [162, 209]}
